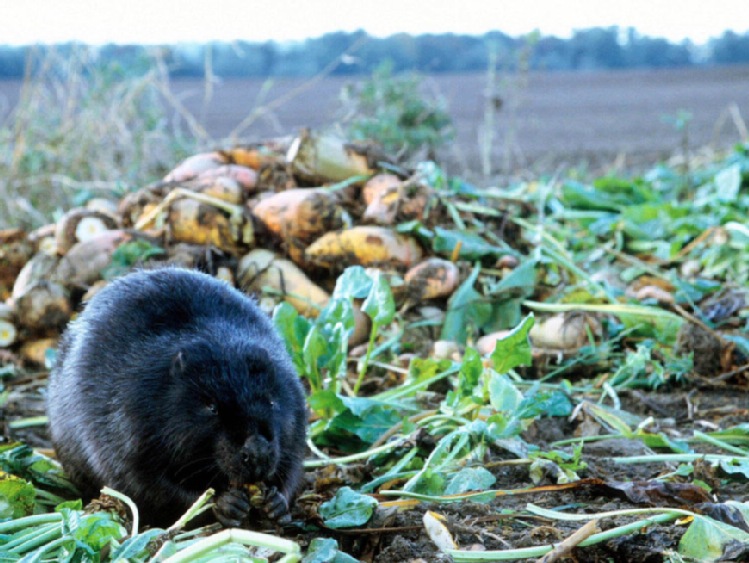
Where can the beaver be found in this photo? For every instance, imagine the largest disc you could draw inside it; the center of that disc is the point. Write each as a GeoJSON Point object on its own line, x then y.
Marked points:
{"type": "Point", "coordinates": [170, 382]}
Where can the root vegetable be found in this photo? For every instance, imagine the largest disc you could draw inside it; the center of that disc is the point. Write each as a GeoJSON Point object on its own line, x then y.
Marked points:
{"type": "Point", "coordinates": [431, 279]}
{"type": "Point", "coordinates": [193, 166]}
{"type": "Point", "coordinates": [35, 351]}
{"type": "Point", "coordinates": [325, 158]}
{"type": "Point", "coordinates": [83, 264]}
{"type": "Point", "coordinates": [262, 269]}
{"type": "Point", "coordinates": [8, 332]}
{"type": "Point", "coordinates": [378, 185]}
{"type": "Point", "coordinates": [43, 306]}
{"type": "Point", "coordinates": [298, 216]}
{"type": "Point", "coordinates": [563, 331]}
{"type": "Point", "coordinates": [221, 187]}
{"type": "Point", "coordinates": [80, 224]}
{"type": "Point", "coordinates": [365, 246]}
{"type": "Point", "coordinates": [15, 251]}
{"type": "Point", "coordinates": [244, 176]}
{"type": "Point", "coordinates": [191, 221]}
{"type": "Point", "coordinates": [39, 268]}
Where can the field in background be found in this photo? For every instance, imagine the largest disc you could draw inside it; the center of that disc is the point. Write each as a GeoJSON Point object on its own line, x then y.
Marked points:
{"type": "Point", "coordinates": [553, 119]}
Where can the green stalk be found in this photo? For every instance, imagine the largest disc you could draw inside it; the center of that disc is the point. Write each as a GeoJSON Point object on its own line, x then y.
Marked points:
{"type": "Point", "coordinates": [365, 363]}
{"type": "Point", "coordinates": [354, 457]}
{"type": "Point", "coordinates": [679, 458]}
{"type": "Point", "coordinates": [29, 521]}
{"type": "Point", "coordinates": [244, 537]}
{"type": "Point", "coordinates": [39, 537]}
{"type": "Point", "coordinates": [460, 556]}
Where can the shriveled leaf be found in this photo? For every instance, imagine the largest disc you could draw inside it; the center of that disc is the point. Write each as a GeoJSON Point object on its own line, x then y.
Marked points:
{"type": "Point", "coordinates": [438, 532]}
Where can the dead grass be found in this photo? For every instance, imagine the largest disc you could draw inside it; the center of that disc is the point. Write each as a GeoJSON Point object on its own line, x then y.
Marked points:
{"type": "Point", "coordinates": [82, 129]}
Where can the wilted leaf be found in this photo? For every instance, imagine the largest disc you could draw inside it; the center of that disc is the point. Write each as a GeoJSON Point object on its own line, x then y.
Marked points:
{"type": "Point", "coordinates": [438, 532]}
{"type": "Point", "coordinates": [705, 539]}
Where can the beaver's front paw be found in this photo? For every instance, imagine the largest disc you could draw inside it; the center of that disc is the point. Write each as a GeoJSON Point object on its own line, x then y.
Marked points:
{"type": "Point", "coordinates": [276, 507]}
{"type": "Point", "coordinates": [232, 507]}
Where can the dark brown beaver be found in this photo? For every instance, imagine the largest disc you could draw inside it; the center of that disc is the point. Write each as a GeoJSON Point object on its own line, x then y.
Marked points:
{"type": "Point", "coordinates": [171, 382]}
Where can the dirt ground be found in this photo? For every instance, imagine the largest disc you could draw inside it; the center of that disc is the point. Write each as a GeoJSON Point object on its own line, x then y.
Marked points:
{"type": "Point", "coordinates": [398, 535]}
{"type": "Point", "coordinates": [546, 120]}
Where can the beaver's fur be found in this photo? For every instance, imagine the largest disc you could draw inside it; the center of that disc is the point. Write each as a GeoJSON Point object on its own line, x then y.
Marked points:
{"type": "Point", "coordinates": [171, 382]}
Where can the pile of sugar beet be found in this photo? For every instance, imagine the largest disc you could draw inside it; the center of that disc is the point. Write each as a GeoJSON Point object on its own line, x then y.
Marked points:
{"type": "Point", "coordinates": [268, 218]}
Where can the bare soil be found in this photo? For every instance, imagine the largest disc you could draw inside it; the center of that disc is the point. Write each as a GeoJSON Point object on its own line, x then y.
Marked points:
{"type": "Point", "coordinates": [545, 120]}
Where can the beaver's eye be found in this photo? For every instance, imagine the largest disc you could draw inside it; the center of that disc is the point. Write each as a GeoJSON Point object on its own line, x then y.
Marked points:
{"type": "Point", "coordinates": [212, 408]}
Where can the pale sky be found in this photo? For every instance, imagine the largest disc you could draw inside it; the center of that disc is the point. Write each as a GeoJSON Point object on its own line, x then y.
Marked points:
{"type": "Point", "coordinates": [172, 21]}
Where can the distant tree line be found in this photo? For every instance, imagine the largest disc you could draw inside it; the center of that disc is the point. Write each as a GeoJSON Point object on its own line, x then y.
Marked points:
{"type": "Point", "coordinates": [358, 53]}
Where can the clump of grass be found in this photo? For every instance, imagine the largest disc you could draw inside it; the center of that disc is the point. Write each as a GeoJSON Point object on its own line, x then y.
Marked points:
{"type": "Point", "coordinates": [85, 128]}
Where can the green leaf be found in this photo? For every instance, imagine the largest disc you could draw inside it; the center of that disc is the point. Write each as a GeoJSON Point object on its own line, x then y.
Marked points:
{"type": "Point", "coordinates": [97, 530]}
{"type": "Point", "coordinates": [347, 509]}
{"type": "Point", "coordinates": [20, 460]}
{"type": "Point", "coordinates": [466, 308]}
{"type": "Point", "coordinates": [337, 311]}
{"type": "Point", "coordinates": [128, 255]}
{"type": "Point", "coordinates": [325, 400]}
{"type": "Point", "coordinates": [136, 548]}
{"type": "Point", "coordinates": [16, 497]}
{"type": "Point", "coordinates": [379, 304]}
{"type": "Point", "coordinates": [470, 372]}
{"type": "Point", "coordinates": [315, 345]}
{"type": "Point", "coordinates": [325, 550]}
{"type": "Point", "coordinates": [705, 539]}
{"type": "Point", "coordinates": [728, 183]}
{"type": "Point", "coordinates": [470, 479]}
{"type": "Point", "coordinates": [293, 329]}
{"type": "Point", "coordinates": [503, 395]}
{"type": "Point", "coordinates": [353, 283]}
{"type": "Point", "coordinates": [737, 466]}
{"type": "Point", "coordinates": [514, 349]}
{"type": "Point", "coordinates": [472, 245]}
{"type": "Point", "coordinates": [541, 402]}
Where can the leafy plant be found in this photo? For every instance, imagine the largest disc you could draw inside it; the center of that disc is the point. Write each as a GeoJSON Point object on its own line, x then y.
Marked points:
{"type": "Point", "coordinates": [394, 111]}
